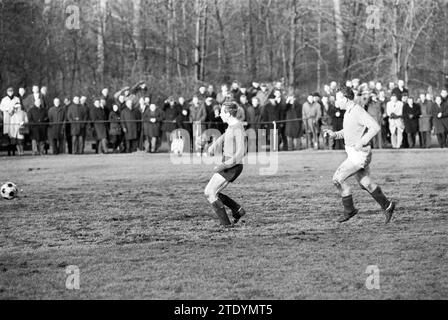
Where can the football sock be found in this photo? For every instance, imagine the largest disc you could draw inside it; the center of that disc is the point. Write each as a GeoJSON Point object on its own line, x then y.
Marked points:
{"type": "Point", "coordinates": [348, 204]}
{"type": "Point", "coordinates": [220, 210]}
{"type": "Point", "coordinates": [228, 202]}
{"type": "Point", "coordinates": [379, 197]}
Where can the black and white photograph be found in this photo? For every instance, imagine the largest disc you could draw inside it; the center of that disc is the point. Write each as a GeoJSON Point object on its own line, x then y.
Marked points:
{"type": "Point", "coordinates": [233, 152]}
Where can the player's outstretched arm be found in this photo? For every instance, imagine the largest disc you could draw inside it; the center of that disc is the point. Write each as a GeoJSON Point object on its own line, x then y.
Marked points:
{"type": "Point", "coordinates": [211, 150]}
{"type": "Point", "coordinates": [335, 135]}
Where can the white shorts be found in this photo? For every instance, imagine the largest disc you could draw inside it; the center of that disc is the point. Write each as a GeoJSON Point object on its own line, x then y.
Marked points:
{"type": "Point", "coordinates": [360, 158]}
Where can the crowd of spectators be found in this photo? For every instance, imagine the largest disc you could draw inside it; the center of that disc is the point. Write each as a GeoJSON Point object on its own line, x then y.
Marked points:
{"type": "Point", "coordinates": [129, 121]}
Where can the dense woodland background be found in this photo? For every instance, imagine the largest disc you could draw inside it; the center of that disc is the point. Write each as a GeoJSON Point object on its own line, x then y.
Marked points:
{"type": "Point", "coordinates": [177, 44]}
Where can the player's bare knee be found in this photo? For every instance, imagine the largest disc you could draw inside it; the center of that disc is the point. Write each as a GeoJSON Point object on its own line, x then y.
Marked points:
{"type": "Point", "coordinates": [210, 195]}
{"type": "Point", "coordinates": [337, 182]}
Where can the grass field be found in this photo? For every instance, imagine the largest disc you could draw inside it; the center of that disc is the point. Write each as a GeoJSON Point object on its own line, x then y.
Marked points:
{"type": "Point", "coordinates": [139, 227]}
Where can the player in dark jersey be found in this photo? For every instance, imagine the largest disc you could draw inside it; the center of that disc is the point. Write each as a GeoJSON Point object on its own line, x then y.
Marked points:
{"type": "Point", "coordinates": [233, 145]}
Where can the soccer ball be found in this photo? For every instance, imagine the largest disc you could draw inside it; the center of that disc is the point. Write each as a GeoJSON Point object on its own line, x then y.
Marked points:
{"type": "Point", "coordinates": [9, 191]}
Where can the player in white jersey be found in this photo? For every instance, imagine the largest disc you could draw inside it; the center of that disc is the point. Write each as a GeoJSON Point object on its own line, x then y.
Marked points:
{"type": "Point", "coordinates": [358, 130]}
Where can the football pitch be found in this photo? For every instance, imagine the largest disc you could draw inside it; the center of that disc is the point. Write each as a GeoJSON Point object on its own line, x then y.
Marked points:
{"type": "Point", "coordinates": [139, 227]}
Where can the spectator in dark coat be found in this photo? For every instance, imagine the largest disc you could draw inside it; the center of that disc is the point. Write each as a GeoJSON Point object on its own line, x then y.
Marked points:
{"type": "Point", "coordinates": [400, 90]}
{"type": "Point", "coordinates": [248, 110]}
{"type": "Point", "coordinates": [210, 110]}
{"type": "Point", "coordinates": [337, 121]}
{"type": "Point", "coordinates": [38, 118]}
{"type": "Point", "coordinates": [138, 111]}
{"type": "Point", "coordinates": [425, 121]}
{"type": "Point", "coordinates": [211, 92]}
{"type": "Point", "coordinates": [68, 128]}
{"type": "Point", "coordinates": [152, 122]}
{"type": "Point", "coordinates": [115, 131]}
{"type": "Point", "coordinates": [77, 115]}
{"type": "Point", "coordinates": [171, 119]}
{"type": "Point", "coordinates": [202, 94]}
{"type": "Point", "coordinates": [235, 91]}
{"type": "Point", "coordinates": [108, 102]}
{"type": "Point", "coordinates": [98, 117]}
{"type": "Point", "coordinates": [30, 101]}
{"type": "Point", "coordinates": [56, 117]}
{"type": "Point", "coordinates": [129, 125]}
{"type": "Point", "coordinates": [253, 90]}
{"type": "Point", "coordinates": [411, 114]}
{"type": "Point", "coordinates": [184, 116]}
{"type": "Point", "coordinates": [373, 107]}
{"type": "Point", "coordinates": [89, 125]}
{"type": "Point", "coordinates": [293, 129]}
{"type": "Point", "coordinates": [439, 112]}
{"type": "Point", "coordinates": [257, 116]}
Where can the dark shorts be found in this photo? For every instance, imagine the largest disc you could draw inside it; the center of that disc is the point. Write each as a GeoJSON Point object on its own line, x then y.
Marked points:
{"type": "Point", "coordinates": [15, 141]}
{"type": "Point", "coordinates": [233, 173]}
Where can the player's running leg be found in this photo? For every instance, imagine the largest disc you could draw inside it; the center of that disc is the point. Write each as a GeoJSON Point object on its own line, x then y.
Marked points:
{"type": "Point", "coordinates": [237, 211]}
{"type": "Point", "coordinates": [215, 186]}
{"type": "Point", "coordinates": [366, 183]}
{"type": "Point", "coordinates": [345, 171]}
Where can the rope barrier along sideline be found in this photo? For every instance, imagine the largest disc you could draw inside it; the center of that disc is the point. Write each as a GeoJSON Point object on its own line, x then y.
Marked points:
{"type": "Point", "coordinates": [141, 121]}
{"type": "Point", "coordinates": [87, 122]}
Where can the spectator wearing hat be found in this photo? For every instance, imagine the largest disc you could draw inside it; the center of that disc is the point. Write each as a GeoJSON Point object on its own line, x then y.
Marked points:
{"type": "Point", "coordinates": [56, 117]}
{"type": "Point", "coordinates": [19, 121]}
{"type": "Point", "coordinates": [425, 121]}
{"type": "Point", "coordinates": [411, 115]}
{"type": "Point", "coordinates": [38, 117]}
{"type": "Point", "coordinates": [394, 111]}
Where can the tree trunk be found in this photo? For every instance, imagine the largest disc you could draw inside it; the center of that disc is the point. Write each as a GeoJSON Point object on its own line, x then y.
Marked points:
{"type": "Point", "coordinates": [204, 40]}
{"type": "Point", "coordinates": [100, 38]}
{"type": "Point", "coordinates": [136, 33]}
{"type": "Point", "coordinates": [251, 43]}
{"type": "Point", "coordinates": [292, 45]}
{"type": "Point", "coordinates": [197, 42]}
{"type": "Point", "coordinates": [339, 33]}
{"type": "Point", "coordinates": [319, 40]}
